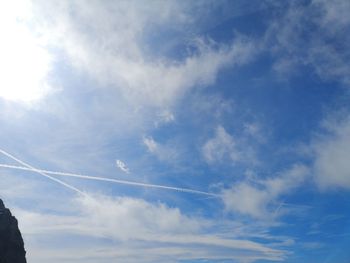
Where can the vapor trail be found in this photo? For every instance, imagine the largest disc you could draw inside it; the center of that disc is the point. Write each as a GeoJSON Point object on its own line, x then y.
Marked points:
{"type": "Point", "coordinates": [125, 182]}
{"type": "Point", "coordinates": [41, 172]}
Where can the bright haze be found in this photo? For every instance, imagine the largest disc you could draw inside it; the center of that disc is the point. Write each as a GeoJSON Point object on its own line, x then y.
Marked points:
{"type": "Point", "coordinates": [177, 131]}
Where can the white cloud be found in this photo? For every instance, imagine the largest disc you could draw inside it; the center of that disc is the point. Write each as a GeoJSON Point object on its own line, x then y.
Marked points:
{"type": "Point", "coordinates": [332, 155]}
{"type": "Point", "coordinates": [260, 199]}
{"type": "Point", "coordinates": [122, 166]}
{"type": "Point", "coordinates": [164, 117]}
{"type": "Point", "coordinates": [291, 39]}
{"type": "Point", "coordinates": [111, 48]}
{"type": "Point", "coordinates": [151, 145]}
{"type": "Point", "coordinates": [133, 224]}
{"type": "Point", "coordinates": [335, 13]}
{"type": "Point", "coordinates": [164, 152]}
{"type": "Point", "coordinates": [253, 129]}
{"type": "Point", "coordinates": [215, 105]}
{"type": "Point", "coordinates": [222, 146]}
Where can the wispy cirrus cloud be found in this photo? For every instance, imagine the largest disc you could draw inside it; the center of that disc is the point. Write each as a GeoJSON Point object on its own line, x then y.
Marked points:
{"type": "Point", "coordinates": [112, 50]}
{"type": "Point", "coordinates": [136, 222]}
{"type": "Point", "coordinates": [163, 151]}
{"type": "Point", "coordinates": [223, 147]}
{"type": "Point", "coordinates": [324, 49]}
{"type": "Point", "coordinates": [331, 154]}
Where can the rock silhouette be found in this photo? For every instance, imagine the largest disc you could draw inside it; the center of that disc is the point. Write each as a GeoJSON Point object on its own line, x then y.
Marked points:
{"type": "Point", "coordinates": [11, 242]}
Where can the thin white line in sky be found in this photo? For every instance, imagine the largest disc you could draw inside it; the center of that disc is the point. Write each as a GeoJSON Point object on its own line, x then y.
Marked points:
{"type": "Point", "coordinates": [105, 179]}
{"type": "Point", "coordinates": [41, 172]}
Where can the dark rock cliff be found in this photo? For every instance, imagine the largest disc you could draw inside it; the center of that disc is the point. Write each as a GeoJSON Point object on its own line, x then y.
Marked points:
{"type": "Point", "coordinates": [11, 242]}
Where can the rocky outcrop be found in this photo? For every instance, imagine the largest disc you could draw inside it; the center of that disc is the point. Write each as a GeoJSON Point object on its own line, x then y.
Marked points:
{"type": "Point", "coordinates": [11, 242]}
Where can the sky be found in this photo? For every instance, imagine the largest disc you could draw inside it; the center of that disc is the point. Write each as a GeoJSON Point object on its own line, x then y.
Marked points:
{"type": "Point", "coordinates": [177, 131]}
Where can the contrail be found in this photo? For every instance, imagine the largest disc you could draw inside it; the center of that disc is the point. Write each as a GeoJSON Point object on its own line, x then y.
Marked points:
{"type": "Point", "coordinates": [31, 168]}
{"type": "Point", "coordinates": [105, 179]}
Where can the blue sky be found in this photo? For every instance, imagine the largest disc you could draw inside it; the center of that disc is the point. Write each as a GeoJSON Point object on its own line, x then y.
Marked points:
{"type": "Point", "coordinates": [245, 101]}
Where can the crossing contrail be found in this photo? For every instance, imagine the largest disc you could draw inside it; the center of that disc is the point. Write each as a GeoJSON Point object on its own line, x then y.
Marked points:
{"type": "Point", "coordinates": [31, 168]}
{"type": "Point", "coordinates": [46, 173]}
{"type": "Point", "coordinates": [105, 179]}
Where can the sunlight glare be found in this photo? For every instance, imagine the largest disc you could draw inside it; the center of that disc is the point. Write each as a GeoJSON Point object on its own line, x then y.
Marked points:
{"type": "Point", "coordinates": [24, 64]}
